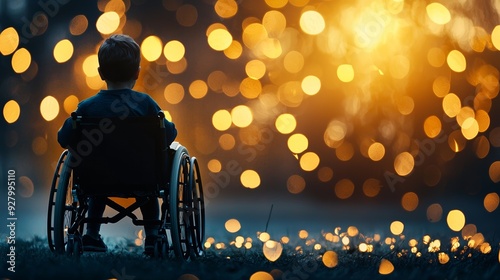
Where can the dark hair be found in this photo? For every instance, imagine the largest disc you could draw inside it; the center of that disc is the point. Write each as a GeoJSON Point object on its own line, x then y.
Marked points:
{"type": "Point", "coordinates": [119, 58]}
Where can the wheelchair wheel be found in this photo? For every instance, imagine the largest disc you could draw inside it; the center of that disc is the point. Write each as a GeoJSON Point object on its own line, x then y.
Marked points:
{"type": "Point", "coordinates": [52, 200]}
{"type": "Point", "coordinates": [180, 202]}
{"type": "Point", "coordinates": [198, 214]}
{"type": "Point", "coordinates": [65, 209]}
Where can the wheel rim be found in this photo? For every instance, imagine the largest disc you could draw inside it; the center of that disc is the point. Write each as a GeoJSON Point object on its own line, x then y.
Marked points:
{"type": "Point", "coordinates": [52, 200]}
{"type": "Point", "coordinates": [198, 219]}
{"type": "Point", "coordinates": [65, 209]}
{"type": "Point", "coordinates": [179, 202]}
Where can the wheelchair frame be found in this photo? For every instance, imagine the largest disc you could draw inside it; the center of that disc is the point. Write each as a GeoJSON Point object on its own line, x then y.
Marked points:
{"type": "Point", "coordinates": [182, 222]}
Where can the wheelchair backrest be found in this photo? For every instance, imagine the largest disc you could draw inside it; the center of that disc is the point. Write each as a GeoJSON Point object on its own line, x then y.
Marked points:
{"type": "Point", "coordinates": [119, 157]}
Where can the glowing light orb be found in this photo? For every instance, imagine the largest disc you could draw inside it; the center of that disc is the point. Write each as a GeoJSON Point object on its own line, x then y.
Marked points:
{"type": "Point", "coordinates": [63, 51]}
{"type": "Point", "coordinates": [345, 73]}
{"type": "Point", "coordinates": [397, 227]}
{"type": "Point", "coordinates": [49, 108]}
{"type": "Point", "coordinates": [272, 250]}
{"type": "Point", "coordinates": [309, 161]}
{"type": "Point", "coordinates": [241, 116]}
{"type": "Point", "coordinates": [285, 123]}
{"type": "Point", "coordinates": [221, 120]}
{"type": "Point", "coordinates": [404, 163]}
{"type": "Point", "coordinates": [21, 60]}
{"type": "Point", "coordinates": [220, 39]}
{"type": "Point", "coordinates": [438, 13]}
{"type": "Point", "coordinates": [151, 48]}
{"type": "Point", "coordinates": [174, 50]}
{"type": "Point", "coordinates": [491, 202]}
{"type": "Point", "coordinates": [297, 143]}
{"type": "Point", "coordinates": [232, 225]}
{"type": "Point", "coordinates": [312, 22]}
{"type": "Point", "coordinates": [9, 40]}
{"type": "Point", "coordinates": [330, 259]}
{"type": "Point", "coordinates": [250, 179]}
{"type": "Point", "coordinates": [11, 111]}
{"type": "Point", "coordinates": [311, 85]}
{"type": "Point", "coordinates": [385, 267]}
{"type": "Point", "coordinates": [455, 220]}
{"type": "Point", "coordinates": [456, 61]}
{"type": "Point", "coordinates": [108, 22]}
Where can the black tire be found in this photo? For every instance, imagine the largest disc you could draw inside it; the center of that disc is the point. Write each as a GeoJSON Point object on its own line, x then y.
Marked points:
{"type": "Point", "coordinates": [52, 200]}
{"type": "Point", "coordinates": [198, 208]}
{"type": "Point", "coordinates": [180, 197]}
{"type": "Point", "coordinates": [65, 209]}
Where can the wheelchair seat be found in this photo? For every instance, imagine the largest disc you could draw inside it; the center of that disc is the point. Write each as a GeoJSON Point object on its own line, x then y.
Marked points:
{"type": "Point", "coordinates": [115, 157]}
{"type": "Point", "coordinates": [122, 158]}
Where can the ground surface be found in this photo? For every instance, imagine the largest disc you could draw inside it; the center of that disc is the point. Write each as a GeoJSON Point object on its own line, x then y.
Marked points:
{"type": "Point", "coordinates": [125, 261]}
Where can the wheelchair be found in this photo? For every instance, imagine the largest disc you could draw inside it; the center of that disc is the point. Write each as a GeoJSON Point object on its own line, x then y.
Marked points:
{"type": "Point", "coordinates": [127, 158]}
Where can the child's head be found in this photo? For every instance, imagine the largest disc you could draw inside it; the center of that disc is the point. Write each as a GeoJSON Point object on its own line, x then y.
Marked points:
{"type": "Point", "coordinates": [119, 58]}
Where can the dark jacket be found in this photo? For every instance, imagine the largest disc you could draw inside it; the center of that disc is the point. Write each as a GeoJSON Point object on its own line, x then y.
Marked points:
{"type": "Point", "coordinates": [120, 103]}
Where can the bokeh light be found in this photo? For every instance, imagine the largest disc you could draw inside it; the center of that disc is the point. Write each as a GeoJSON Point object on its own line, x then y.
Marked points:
{"type": "Point", "coordinates": [11, 111]}
{"type": "Point", "coordinates": [49, 108]}
{"type": "Point", "coordinates": [455, 220]}
{"type": "Point", "coordinates": [151, 48]}
{"type": "Point", "coordinates": [250, 179]}
{"type": "Point", "coordinates": [232, 225]}
{"type": "Point", "coordinates": [63, 51]}
{"type": "Point", "coordinates": [108, 22]}
{"type": "Point", "coordinates": [21, 60]}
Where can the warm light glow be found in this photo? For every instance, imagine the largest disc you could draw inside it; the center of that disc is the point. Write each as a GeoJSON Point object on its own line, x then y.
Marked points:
{"type": "Point", "coordinates": [21, 60]}
{"type": "Point", "coordinates": [397, 227]}
{"type": "Point", "coordinates": [250, 88]}
{"type": "Point", "coordinates": [226, 8]}
{"type": "Point", "coordinates": [70, 104]}
{"type": "Point", "coordinates": [376, 151]}
{"type": "Point", "coordinates": [78, 25]}
{"type": "Point", "coordinates": [11, 111]}
{"type": "Point", "coordinates": [330, 259]}
{"type": "Point", "coordinates": [451, 105]}
{"type": "Point", "coordinates": [303, 234]}
{"type": "Point", "coordinates": [241, 116]}
{"type": "Point", "coordinates": [151, 48]}
{"type": "Point", "coordinates": [345, 73]}
{"type": "Point", "coordinates": [371, 187]}
{"type": "Point", "coordinates": [491, 202]}
{"type": "Point", "coordinates": [455, 220]}
{"type": "Point", "coordinates": [90, 65]}
{"type": "Point", "coordinates": [49, 108]}
{"type": "Point", "coordinates": [9, 41]}
{"type": "Point", "coordinates": [174, 51]}
{"type": "Point", "coordinates": [108, 22]}
{"type": "Point", "coordinates": [297, 143]}
{"type": "Point", "coordinates": [174, 93]}
{"type": "Point", "coordinates": [404, 163]}
{"type": "Point", "coordinates": [432, 126]}
{"type": "Point", "coordinates": [272, 250]}
{"type": "Point", "coordinates": [309, 161]}
{"type": "Point", "coordinates": [232, 225]}
{"type": "Point", "coordinates": [261, 275]}
{"type": "Point", "coordinates": [214, 165]}
{"type": "Point", "coordinates": [312, 22]}
{"type": "Point", "coordinates": [438, 13]}
{"type": "Point", "coordinates": [221, 120]}
{"type": "Point", "coordinates": [198, 89]}
{"type": "Point", "coordinates": [220, 39]}
{"type": "Point", "coordinates": [311, 85]}
{"type": "Point", "coordinates": [409, 201]}
{"type": "Point", "coordinates": [495, 37]}
{"type": "Point", "coordinates": [250, 179]}
{"type": "Point", "coordinates": [255, 69]}
{"type": "Point", "coordinates": [63, 51]}
{"type": "Point", "coordinates": [456, 61]}
{"type": "Point", "coordinates": [385, 267]}
{"type": "Point", "coordinates": [285, 123]}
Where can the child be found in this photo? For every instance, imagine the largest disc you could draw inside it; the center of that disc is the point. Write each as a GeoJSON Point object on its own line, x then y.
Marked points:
{"type": "Point", "coordinates": [119, 59]}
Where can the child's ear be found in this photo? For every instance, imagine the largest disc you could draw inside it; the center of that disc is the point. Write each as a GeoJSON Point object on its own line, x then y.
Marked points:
{"type": "Point", "coordinates": [100, 73]}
